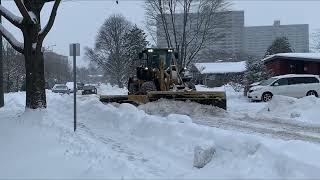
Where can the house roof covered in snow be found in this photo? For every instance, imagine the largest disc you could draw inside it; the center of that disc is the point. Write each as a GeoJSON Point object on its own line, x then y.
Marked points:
{"type": "Point", "coordinates": [294, 56]}
{"type": "Point", "coordinates": [221, 67]}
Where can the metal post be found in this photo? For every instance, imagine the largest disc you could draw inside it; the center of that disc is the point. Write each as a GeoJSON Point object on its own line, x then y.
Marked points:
{"type": "Point", "coordinates": [74, 89]}
{"type": "Point", "coordinates": [1, 70]}
{"type": "Point", "coordinates": [74, 52]}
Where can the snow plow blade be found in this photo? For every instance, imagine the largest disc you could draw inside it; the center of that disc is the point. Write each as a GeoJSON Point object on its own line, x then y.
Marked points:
{"type": "Point", "coordinates": [217, 99]}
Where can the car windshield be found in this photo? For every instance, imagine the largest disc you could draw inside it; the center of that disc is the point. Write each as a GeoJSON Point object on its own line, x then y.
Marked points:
{"type": "Point", "coordinates": [267, 82]}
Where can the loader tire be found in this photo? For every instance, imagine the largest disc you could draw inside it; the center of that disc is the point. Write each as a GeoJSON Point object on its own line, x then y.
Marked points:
{"type": "Point", "coordinates": [132, 88]}
{"type": "Point", "coordinates": [148, 86]}
{"type": "Point", "coordinates": [191, 85]}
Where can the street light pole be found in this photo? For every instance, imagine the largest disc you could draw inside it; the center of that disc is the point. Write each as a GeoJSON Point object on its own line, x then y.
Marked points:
{"type": "Point", "coordinates": [1, 69]}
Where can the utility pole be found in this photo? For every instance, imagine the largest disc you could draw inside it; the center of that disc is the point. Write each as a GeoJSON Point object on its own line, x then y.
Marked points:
{"type": "Point", "coordinates": [1, 69]}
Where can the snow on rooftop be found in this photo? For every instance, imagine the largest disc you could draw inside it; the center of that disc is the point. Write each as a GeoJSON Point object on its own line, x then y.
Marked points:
{"type": "Point", "coordinates": [295, 55]}
{"type": "Point", "coordinates": [221, 67]}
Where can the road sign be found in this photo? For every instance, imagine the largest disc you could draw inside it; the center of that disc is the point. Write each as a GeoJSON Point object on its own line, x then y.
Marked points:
{"type": "Point", "coordinates": [74, 51]}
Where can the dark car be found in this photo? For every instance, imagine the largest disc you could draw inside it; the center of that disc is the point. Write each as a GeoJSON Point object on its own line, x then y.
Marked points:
{"type": "Point", "coordinates": [60, 88]}
{"type": "Point", "coordinates": [89, 89]}
{"type": "Point", "coordinates": [80, 86]}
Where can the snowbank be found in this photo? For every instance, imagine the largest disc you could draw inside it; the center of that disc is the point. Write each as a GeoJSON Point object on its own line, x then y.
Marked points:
{"type": "Point", "coordinates": [125, 142]}
{"type": "Point", "coordinates": [304, 109]}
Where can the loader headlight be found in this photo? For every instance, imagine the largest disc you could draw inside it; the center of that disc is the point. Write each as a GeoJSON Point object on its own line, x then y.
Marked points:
{"type": "Point", "coordinates": [150, 50]}
{"type": "Point", "coordinates": [146, 68]}
{"type": "Point", "coordinates": [170, 50]}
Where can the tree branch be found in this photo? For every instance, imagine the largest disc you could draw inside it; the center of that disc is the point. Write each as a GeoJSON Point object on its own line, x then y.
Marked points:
{"type": "Point", "coordinates": [23, 10]}
{"type": "Point", "coordinates": [18, 46]}
{"type": "Point", "coordinates": [15, 20]}
{"type": "Point", "coordinates": [49, 25]}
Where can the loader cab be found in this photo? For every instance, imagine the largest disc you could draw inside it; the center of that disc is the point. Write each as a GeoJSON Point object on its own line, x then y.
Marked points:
{"type": "Point", "coordinates": [150, 58]}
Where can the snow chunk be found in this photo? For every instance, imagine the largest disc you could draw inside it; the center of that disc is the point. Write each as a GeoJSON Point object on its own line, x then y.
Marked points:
{"type": "Point", "coordinates": [203, 154]}
{"type": "Point", "coordinates": [221, 67]}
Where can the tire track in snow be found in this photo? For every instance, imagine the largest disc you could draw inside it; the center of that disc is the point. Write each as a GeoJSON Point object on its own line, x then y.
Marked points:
{"type": "Point", "coordinates": [239, 121]}
{"type": "Point", "coordinates": [274, 129]}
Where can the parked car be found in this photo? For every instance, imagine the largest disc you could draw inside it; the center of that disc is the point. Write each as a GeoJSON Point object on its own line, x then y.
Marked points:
{"type": "Point", "coordinates": [80, 85]}
{"type": "Point", "coordinates": [89, 89]}
{"type": "Point", "coordinates": [293, 85]}
{"type": "Point", "coordinates": [60, 88]}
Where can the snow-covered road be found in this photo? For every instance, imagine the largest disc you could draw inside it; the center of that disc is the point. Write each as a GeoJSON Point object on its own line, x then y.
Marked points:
{"type": "Point", "coordinates": [244, 116]}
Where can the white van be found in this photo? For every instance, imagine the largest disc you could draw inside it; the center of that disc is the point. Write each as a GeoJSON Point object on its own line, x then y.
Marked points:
{"type": "Point", "coordinates": [294, 85]}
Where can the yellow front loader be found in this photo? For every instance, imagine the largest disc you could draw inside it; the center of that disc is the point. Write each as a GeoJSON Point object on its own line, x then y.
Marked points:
{"type": "Point", "coordinates": [158, 77]}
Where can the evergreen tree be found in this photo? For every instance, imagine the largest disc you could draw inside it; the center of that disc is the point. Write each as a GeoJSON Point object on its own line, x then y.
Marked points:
{"type": "Point", "coordinates": [256, 71]}
{"type": "Point", "coordinates": [134, 42]}
{"type": "Point", "coordinates": [279, 45]}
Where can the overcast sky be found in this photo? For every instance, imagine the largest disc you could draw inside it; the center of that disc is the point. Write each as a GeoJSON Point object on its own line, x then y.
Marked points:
{"type": "Point", "coordinates": [79, 21]}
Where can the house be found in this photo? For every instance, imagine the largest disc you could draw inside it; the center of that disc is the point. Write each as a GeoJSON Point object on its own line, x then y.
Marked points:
{"type": "Point", "coordinates": [293, 63]}
{"type": "Point", "coordinates": [218, 73]}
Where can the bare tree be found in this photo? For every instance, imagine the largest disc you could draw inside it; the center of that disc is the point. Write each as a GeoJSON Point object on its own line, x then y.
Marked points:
{"type": "Point", "coordinates": [33, 36]}
{"type": "Point", "coordinates": [117, 45]}
{"type": "Point", "coordinates": [109, 52]}
{"type": "Point", "coordinates": [187, 25]}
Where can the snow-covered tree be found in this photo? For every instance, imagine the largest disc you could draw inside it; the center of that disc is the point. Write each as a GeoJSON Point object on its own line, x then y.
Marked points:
{"type": "Point", "coordinates": [117, 46]}
{"type": "Point", "coordinates": [279, 45]}
{"type": "Point", "coordinates": [33, 36]}
{"type": "Point", "coordinates": [134, 42]}
{"type": "Point", "coordinates": [256, 71]}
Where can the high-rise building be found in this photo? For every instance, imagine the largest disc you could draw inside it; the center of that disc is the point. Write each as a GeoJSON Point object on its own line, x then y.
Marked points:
{"type": "Point", "coordinates": [229, 28]}
{"type": "Point", "coordinates": [257, 39]}
{"type": "Point", "coordinates": [235, 38]}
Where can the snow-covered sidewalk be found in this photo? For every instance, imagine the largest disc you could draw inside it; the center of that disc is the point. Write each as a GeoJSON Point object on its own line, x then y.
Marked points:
{"type": "Point", "coordinates": [125, 142]}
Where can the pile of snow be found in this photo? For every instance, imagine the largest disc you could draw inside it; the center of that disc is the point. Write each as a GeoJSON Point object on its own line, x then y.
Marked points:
{"type": "Point", "coordinates": [125, 142]}
{"type": "Point", "coordinates": [230, 91]}
{"type": "Point", "coordinates": [108, 89]}
{"type": "Point", "coordinates": [165, 107]}
{"type": "Point", "coordinates": [221, 67]}
{"type": "Point", "coordinates": [205, 88]}
{"type": "Point", "coordinates": [305, 109]}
